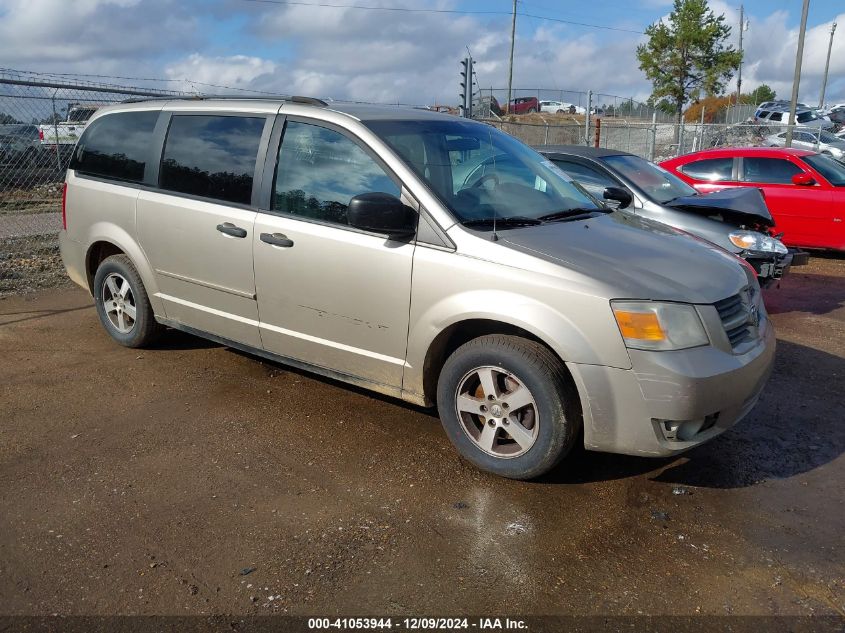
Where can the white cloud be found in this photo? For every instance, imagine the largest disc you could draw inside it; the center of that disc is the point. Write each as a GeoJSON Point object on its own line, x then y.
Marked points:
{"type": "Point", "coordinates": [236, 71]}
{"type": "Point", "coordinates": [770, 46]}
{"type": "Point", "coordinates": [91, 36]}
{"type": "Point", "coordinates": [371, 55]}
{"type": "Point", "coordinates": [414, 57]}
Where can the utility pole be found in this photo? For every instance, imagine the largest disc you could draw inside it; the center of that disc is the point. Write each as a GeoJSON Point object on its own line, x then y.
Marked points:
{"type": "Point", "coordinates": [743, 26]}
{"type": "Point", "coordinates": [796, 80]}
{"type": "Point", "coordinates": [827, 65]}
{"type": "Point", "coordinates": [510, 65]}
{"type": "Point", "coordinates": [587, 118]}
{"type": "Point", "coordinates": [739, 72]}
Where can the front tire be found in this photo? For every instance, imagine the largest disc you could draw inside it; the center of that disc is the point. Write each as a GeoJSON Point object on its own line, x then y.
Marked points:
{"type": "Point", "coordinates": [508, 406]}
{"type": "Point", "coordinates": [122, 303]}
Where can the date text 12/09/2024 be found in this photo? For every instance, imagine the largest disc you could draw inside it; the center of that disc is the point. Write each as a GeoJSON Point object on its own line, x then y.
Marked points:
{"type": "Point", "coordinates": [489, 624]}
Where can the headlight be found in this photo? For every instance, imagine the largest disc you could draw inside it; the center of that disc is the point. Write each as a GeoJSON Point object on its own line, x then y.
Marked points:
{"type": "Point", "coordinates": [654, 325]}
{"type": "Point", "coordinates": [753, 241]}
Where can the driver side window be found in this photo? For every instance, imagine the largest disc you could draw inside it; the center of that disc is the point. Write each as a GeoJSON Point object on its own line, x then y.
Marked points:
{"type": "Point", "coordinates": [768, 170]}
{"type": "Point", "coordinates": [319, 170]}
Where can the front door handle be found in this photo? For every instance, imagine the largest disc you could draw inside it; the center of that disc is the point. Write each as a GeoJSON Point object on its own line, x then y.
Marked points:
{"type": "Point", "coordinates": [277, 239]}
{"type": "Point", "coordinates": [230, 229]}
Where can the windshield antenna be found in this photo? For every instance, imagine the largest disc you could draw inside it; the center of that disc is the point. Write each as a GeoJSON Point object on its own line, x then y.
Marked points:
{"type": "Point", "coordinates": [495, 237]}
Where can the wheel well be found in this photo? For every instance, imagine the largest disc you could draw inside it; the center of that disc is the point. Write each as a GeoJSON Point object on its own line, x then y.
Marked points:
{"type": "Point", "coordinates": [96, 254]}
{"type": "Point", "coordinates": [456, 335]}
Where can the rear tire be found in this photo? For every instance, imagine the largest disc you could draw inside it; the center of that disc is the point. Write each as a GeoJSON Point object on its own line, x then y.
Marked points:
{"type": "Point", "coordinates": [122, 303]}
{"type": "Point", "coordinates": [508, 406]}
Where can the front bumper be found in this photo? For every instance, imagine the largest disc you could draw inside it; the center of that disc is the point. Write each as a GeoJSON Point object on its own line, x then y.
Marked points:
{"type": "Point", "coordinates": [670, 402]}
{"type": "Point", "coordinates": [770, 267]}
{"type": "Point", "coordinates": [799, 257]}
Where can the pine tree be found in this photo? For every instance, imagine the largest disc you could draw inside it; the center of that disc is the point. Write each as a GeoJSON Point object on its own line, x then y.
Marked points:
{"type": "Point", "coordinates": [688, 55]}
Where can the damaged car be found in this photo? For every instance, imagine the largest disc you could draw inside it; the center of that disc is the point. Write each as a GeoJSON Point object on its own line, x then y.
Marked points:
{"type": "Point", "coordinates": [738, 220]}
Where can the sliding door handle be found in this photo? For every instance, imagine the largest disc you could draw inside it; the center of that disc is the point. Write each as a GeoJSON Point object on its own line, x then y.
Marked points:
{"type": "Point", "coordinates": [230, 229]}
{"type": "Point", "coordinates": [276, 239]}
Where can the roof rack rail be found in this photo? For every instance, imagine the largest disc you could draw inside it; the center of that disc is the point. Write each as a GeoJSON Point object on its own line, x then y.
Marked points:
{"type": "Point", "coordinates": [292, 98]}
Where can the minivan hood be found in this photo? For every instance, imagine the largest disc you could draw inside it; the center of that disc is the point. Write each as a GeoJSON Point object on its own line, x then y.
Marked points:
{"type": "Point", "coordinates": [734, 204]}
{"type": "Point", "coordinates": [635, 257]}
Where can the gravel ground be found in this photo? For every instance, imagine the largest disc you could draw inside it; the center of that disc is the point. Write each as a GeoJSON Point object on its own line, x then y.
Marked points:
{"type": "Point", "coordinates": [193, 479]}
{"type": "Point", "coordinates": [30, 220]}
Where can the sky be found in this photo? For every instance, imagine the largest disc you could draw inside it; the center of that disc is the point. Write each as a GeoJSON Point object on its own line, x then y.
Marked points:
{"type": "Point", "coordinates": [397, 55]}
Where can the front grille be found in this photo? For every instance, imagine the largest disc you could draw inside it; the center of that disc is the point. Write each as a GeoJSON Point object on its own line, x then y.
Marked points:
{"type": "Point", "coordinates": [736, 315]}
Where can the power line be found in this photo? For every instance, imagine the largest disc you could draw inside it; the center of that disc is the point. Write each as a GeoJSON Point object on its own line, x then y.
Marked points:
{"type": "Point", "coordinates": [361, 7]}
{"type": "Point", "coordinates": [592, 26]}
{"type": "Point", "coordinates": [329, 5]}
{"type": "Point", "coordinates": [614, 5]}
{"type": "Point", "coordinates": [156, 79]}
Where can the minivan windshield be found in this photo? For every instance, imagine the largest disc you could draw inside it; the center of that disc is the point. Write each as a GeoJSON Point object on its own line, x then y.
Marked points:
{"type": "Point", "coordinates": [655, 182]}
{"type": "Point", "coordinates": [480, 173]}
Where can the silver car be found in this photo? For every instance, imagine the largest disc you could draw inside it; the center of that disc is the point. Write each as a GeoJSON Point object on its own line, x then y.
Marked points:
{"type": "Point", "coordinates": [817, 141]}
{"type": "Point", "coordinates": [379, 246]}
{"type": "Point", "coordinates": [736, 219]}
{"type": "Point", "coordinates": [19, 144]}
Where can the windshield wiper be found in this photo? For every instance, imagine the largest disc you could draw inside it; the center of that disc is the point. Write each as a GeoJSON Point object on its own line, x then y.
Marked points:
{"type": "Point", "coordinates": [687, 195]}
{"type": "Point", "coordinates": [505, 223]}
{"type": "Point", "coordinates": [567, 214]}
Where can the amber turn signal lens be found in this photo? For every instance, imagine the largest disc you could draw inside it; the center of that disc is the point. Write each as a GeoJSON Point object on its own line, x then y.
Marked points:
{"type": "Point", "coordinates": [643, 326]}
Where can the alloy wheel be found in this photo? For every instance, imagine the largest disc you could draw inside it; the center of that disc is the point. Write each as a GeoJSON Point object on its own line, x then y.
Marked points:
{"type": "Point", "coordinates": [119, 303]}
{"type": "Point", "coordinates": [497, 412]}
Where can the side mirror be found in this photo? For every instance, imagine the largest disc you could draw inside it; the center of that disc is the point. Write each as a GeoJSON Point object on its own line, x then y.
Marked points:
{"type": "Point", "coordinates": [803, 180]}
{"type": "Point", "coordinates": [381, 213]}
{"type": "Point", "coordinates": [620, 195]}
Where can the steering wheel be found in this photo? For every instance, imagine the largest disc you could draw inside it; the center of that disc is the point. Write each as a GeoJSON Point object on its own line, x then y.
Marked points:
{"type": "Point", "coordinates": [480, 182]}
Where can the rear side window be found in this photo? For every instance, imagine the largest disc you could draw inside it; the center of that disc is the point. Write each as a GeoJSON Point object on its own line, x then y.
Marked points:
{"type": "Point", "coordinates": [712, 169]}
{"type": "Point", "coordinates": [211, 156]}
{"type": "Point", "coordinates": [77, 115]}
{"type": "Point", "coordinates": [116, 146]}
{"type": "Point", "coordinates": [770, 170]}
{"type": "Point", "coordinates": [776, 116]}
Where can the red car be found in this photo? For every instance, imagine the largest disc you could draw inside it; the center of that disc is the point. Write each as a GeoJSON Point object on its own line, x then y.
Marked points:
{"type": "Point", "coordinates": [805, 191]}
{"type": "Point", "coordinates": [524, 105]}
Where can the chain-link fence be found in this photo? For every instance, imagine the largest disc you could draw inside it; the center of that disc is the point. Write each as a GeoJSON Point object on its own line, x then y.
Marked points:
{"type": "Point", "coordinates": [742, 113]}
{"type": "Point", "coordinates": [563, 103]}
{"type": "Point", "coordinates": [40, 122]}
{"type": "Point", "coordinates": [660, 141]}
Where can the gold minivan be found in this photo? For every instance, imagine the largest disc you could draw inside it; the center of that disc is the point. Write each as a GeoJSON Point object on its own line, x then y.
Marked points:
{"type": "Point", "coordinates": [424, 256]}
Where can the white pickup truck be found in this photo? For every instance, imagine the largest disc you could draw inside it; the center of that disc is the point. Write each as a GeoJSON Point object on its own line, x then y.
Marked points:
{"type": "Point", "coordinates": [67, 132]}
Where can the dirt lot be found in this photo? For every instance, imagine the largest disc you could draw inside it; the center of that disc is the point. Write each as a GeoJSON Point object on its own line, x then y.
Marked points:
{"type": "Point", "coordinates": [194, 479]}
